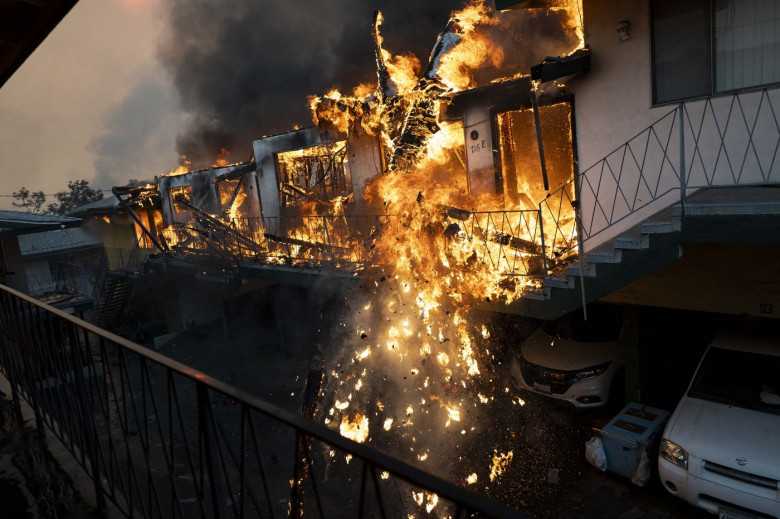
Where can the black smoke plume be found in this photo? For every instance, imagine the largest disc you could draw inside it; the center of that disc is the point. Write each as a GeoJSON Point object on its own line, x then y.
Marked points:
{"type": "Point", "coordinates": [244, 69]}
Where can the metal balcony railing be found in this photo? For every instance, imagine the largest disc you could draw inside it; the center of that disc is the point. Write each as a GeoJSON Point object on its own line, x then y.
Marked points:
{"type": "Point", "coordinates": [509, 241]}
{"type": "Point", "coordinates": [322, 240]}
{"type": "Point", "coordinates": [713, 142]}
{"type": "Point", "coordinates": [160, 439]}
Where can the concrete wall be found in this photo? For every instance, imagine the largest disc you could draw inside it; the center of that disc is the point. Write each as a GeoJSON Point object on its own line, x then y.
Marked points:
{"type": "Point", "coordinates": [613, 101]}
{"type": "Point", "coordinates": [196, 305]}
{"type": "Point", "coordinates": [722, 278]}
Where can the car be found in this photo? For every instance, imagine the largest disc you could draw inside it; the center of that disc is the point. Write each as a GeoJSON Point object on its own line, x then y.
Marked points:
{"type": "Point", "coordinates": [576, 360]}
{"type": "Point", "coordinates": [720, 450]}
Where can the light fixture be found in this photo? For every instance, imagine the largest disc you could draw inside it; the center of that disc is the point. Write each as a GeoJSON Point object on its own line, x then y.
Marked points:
{"type": "Point", "coordinates": [623, 30]}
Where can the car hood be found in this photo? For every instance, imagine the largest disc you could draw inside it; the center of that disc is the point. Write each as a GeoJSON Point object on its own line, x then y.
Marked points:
{"type": "Point", "coordinates": [720, 433]}
{"type": "Point", "coordinates": [545, 350]}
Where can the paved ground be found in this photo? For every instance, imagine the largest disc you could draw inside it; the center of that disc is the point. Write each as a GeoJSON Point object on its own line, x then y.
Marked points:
{"type": "Point", "coordinates": [270, 354]}
{"type": "Point", "coordinates": [549, 476]}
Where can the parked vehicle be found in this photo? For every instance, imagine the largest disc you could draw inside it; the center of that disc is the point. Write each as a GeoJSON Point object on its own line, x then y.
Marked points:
{"type": "Point", "coordinates": [721, 447]}
{"type": "Point", "coordinates": [575, 360]}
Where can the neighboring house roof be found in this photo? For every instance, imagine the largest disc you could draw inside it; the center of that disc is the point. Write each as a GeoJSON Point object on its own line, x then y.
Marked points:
{"type": "Point", "coordinates": [15, 223]}
{"type": "Point", "coordinates": [107, 205]}
{"type": "Point", "coordinates": [53, 242]}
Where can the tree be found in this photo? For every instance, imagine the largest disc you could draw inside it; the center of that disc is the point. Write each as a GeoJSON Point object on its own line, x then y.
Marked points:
{"type": "Point", "coordinates": [79, 193]}
{"type": "Point", "coordinates": [30, 201]}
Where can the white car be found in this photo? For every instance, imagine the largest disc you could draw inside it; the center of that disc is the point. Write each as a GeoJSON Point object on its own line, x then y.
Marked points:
{"type": "Point", "coordinates": [721, 447]}
{"type": "Point", "coordinates": [575, 360]}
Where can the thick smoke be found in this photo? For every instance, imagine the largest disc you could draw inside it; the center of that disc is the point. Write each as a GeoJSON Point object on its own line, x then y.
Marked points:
{"type": "Point", "coordinates": [244, 69]}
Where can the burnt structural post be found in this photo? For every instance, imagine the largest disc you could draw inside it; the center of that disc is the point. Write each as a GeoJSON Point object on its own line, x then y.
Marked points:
{"type": "Point", "coordinates": [303, 443]}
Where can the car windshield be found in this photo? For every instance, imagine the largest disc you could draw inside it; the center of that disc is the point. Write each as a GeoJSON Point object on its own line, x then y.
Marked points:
{"type": "Point", "coordinates": [740, 378]}
{"type": "Point", "coordinates": [603, 324]}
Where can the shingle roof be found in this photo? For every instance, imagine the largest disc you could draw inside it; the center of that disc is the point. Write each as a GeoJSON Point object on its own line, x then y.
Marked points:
{"type": "Point", "coordinates": [14, 223]}
{"type": "Point", "coordinates": [107, 205]}
{"type": "Point", "coordinates": [56, 241]}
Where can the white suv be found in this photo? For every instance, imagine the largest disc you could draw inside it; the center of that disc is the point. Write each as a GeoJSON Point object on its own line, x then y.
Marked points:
{"type": "Point", "coordinates": [575, 360]}
{"type": "Point", "coordinates": [721, 447]}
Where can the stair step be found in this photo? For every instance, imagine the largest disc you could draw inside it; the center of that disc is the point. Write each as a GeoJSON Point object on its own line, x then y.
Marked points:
{"type": "Point", "coordinates": [661, 227]}
{"type": "Point", "coordinates": [613, 256]}
{"type": "Point", "coordinates": [627, 242]}
{"type": "Point", "coordinates": [542, 294]}
{"type": "Point", "coordinates": [555, 282]}
{"type": "Point", "coordinates": [588, 271]}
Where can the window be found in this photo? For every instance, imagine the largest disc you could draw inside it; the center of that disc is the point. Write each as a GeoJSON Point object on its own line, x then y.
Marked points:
{"type": "Point", "coordinates": [705, 47]}
{"type": "Point", "coordinates": [319, 172]}
{"type": "Point", "coordinates": [179, 195]}
{"type": "Point", "coordinates": [740, 378]}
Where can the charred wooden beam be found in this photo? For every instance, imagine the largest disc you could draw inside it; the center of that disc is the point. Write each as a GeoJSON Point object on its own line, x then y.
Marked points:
{"type": "Point", "coordinates": [309, 408]}
{"type": "Point", "coordinates": [301, 243]}
{"type": "Point", "coordinates": [540, 144]}
{"type": "Point", "coordinates": [293, 190]}
{"type": "Point", "coordinates": [495, 236]}
{"type": "Point", "coordinates": [421, 119]}
{"type": "Point", "coordinates": [507, 240]}
{"type": "Point", "coordinates": [213, 222]}
{"type": "Point", "coordinates": [238, 172]}
{"type": "Point", "coordinates": [385, 85]}
{"type": "Point", "coordinates": [135, 217]}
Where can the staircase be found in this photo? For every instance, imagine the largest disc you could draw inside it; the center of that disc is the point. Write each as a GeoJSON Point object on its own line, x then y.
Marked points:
{"type": "Point", "coordinates": [114, 282]}
{"type": "Point", "coordinates": [116, 291]}
{"type": "Point", "coordinates": [741, 215]}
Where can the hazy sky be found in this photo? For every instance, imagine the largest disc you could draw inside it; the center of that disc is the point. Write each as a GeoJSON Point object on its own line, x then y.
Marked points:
{"type": "Point", "coordinates": [59, 111]}
{"type": "Point", "coordinates": [122, 88]}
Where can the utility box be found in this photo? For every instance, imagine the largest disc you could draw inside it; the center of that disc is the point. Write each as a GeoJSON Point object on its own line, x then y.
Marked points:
{"type": "Point", "coordinates": [629, 434]}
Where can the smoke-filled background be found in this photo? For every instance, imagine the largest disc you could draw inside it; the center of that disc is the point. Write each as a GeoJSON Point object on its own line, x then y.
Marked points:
{"type": "Point", "coordinates": [244, 69]}
{"type": "Point", "coordinates": [120, 90]}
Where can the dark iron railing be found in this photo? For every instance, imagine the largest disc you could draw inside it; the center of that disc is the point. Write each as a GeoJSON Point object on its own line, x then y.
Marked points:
{"type": "Point", "coordinates": [713, 142]}
{"type": "Point", "coordinates": [509, 241]}
{"type": "Point", "coordinates": [325, 240]}
{"type": "Point", "coordinates": [160, 439]}
{"type": "Point", "coordinates": [69, 281]}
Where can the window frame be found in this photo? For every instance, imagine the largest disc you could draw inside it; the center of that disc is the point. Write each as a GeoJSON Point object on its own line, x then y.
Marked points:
{"type": "Point", "coordinates": [713, 64]}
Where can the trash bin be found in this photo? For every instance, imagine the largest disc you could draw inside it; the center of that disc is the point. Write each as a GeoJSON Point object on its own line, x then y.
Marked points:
{"type": "Point", "coordinates": [628, 435]}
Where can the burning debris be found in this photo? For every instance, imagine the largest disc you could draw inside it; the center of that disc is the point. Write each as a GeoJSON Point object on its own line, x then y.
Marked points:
{"type": "Point", "coordinates": [419, 372]}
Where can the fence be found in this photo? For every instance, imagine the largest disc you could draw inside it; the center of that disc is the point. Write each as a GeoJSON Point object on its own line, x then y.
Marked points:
{"type": "Point", "coordinates": [70, 281]}
{"type": "Point", "coordinates": [713, 142]}
{"type": "Point", "coordinates": [160, 439]}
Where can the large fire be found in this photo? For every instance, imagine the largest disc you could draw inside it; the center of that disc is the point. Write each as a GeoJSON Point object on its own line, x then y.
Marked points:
{"type": "Point", "coordinates": [420, 374]}
{"type": "Point", "coordinates": [421, 377]}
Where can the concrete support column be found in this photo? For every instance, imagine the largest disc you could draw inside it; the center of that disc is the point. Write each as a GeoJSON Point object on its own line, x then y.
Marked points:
{"type": "Point", "coordinates": [633, 377]}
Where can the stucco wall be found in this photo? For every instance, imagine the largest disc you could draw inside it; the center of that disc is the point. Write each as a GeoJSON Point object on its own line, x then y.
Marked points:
{"type": "Point", "coordinates": [725, 140]}
{"type": "Point", "coordinates": [613, 103]}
